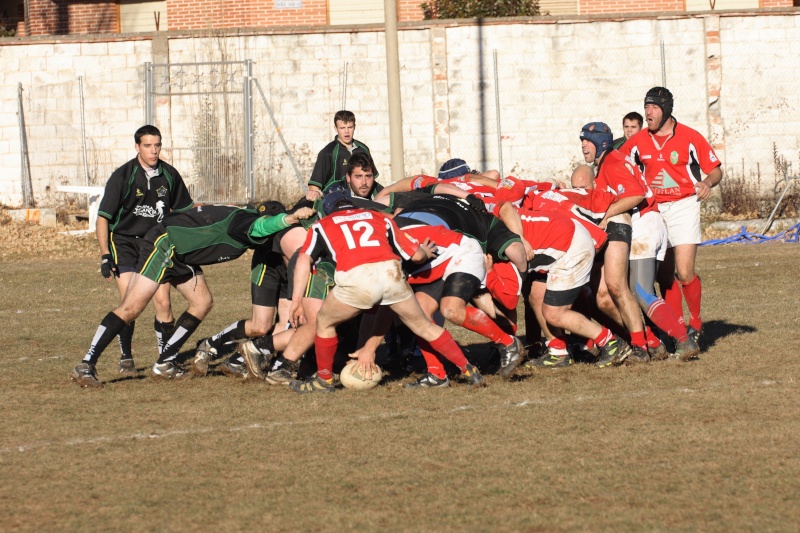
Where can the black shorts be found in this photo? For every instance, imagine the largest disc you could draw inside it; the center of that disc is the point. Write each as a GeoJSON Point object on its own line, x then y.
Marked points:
{"type": "Point", "coordinates": [562, 298]}
{"type": "Point", "coordinates": [433, 289]}
{"type": "Point", "coordinates": [620, 232]}
{"type": "Point", "coordinates": [125, 249]}
{"type": "Point", "coordinates": [268, 278]}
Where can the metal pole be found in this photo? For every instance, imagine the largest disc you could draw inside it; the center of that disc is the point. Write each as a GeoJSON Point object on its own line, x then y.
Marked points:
{"type": "Point", "coordinates": [27, 185]}
{"type": "Point", "coordinates": [663, 66]}
{"type": "Point", "coordinates": [497, 112]}
{"type": "Point", "coordinates": [149, 97]}
{"type": "Point", "coordinates": [344, 87]}
{"type": "Point", "coordinates": [83, 132]}
{"type": "Point", "coordinates": [280, 136]}
{"type": "Point", "coordinates": [393, 82]}
{"type": "Point", "coordinates": [248, 126]}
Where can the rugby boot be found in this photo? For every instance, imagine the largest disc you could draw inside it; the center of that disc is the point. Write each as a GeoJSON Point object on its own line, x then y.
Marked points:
{"type": "Point", "coordinates": [613, 353]}
{"type": "Point", "coordinates": [86, 376]}
{"type": "Point", "coordinates": [127, 368]}
{"type": "Point", "coordinates": [166, 371]}
{"type": "Point", "coordinates": [638, 355]}
{"type": "Point", "coordinates": [551, 360]}
{"type": "Point", "coordinates": [204, 354]}
{"type": "Point", "coordinates": [311, 385]}
{"type": "Point", "coordinates": [510, 357]}
{"type": "Point", "coordinates": [659, 353]}
{"type": "Point", "coordinates": [428, 381]}
{"type": "Point", "coordinates": [686, 350]}
{"type": "Point", "coordinates": [473, 377]}
{"type": "Point", "coordinates": [231, 368]}
{"type": "Point", "coordinates": [253, 358]}
{"type": "Point", "coordinates": [695, 334]}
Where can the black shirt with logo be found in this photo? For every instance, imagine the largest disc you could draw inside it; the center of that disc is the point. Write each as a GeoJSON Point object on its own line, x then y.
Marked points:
{"type": "Point", "coordinates": [133, 204]}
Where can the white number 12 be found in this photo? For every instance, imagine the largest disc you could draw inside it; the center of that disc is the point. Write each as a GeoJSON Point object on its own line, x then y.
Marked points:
{"type": "Point", "coordinates": [364, 241]}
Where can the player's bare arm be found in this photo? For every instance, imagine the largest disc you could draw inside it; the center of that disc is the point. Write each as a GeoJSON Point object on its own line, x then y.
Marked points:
{"type": "Point", "coordinates": [704, 187]}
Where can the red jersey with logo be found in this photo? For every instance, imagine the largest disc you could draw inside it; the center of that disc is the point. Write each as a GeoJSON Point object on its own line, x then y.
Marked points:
{"type": "Point", "coordinates": [619, 175]}
{"type": "Point", "coordinates": [672, 166]}
{"type": "Point", "coordinates": [549, 234]}
{"type": "Point", "coordinates": [447, 242]}
{"type": "Point", "coordinates": [564, 201]}
{"type": "Point", "coordinates": [355, 237]}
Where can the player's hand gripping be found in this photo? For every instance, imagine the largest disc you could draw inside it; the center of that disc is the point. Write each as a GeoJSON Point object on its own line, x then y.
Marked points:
{"type": "Point", "coordinates": [366, 362]}
{"type": "Point", "coordinates": [108, 267]}
{"type": "Point", "coordinates": [301, 214]}
{"type": "Point", "coordinates": [426, 251]}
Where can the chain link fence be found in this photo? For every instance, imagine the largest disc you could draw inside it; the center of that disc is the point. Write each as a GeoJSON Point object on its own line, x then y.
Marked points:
{"type": "Point", "coordinates": [242, 130]}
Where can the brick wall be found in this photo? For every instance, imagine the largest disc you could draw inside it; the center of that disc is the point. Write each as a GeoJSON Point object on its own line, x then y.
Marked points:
{"type": "Point", "coordinates": [60, 17]}
{"type": "Point", "coordinates": [409, 10]}
{"type": "Point", "coordinates": [213, 14]}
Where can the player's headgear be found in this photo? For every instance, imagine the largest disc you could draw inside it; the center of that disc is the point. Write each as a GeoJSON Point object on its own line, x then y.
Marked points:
{"type": "Point", "coordinates": [599, 134]}
{"type": "Point", "coordinates": [270, 208]}
{"type": "Point", "coordinates": [337, 197]}
{"type": "Point", "coordinates": [453, 168]}
{"type": "Point", "coordinates": [661, 97]}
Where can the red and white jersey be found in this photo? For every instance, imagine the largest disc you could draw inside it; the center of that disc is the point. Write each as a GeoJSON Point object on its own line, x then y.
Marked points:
{"type": "Point", "coordinates": [566, 201]}
{"type": "Point", "coordinates": [672, 166]}
{"type": "Point", "coordinates": [549, 234]}
{"type": "Point", "coordinates": [356, 237]}
{"type": "Point", "coordinates": [484, 192]}
{"type": "Point", "coordinates": [504, 284]}
{"type": "Point", "coordinates": [620, 176]}
{"type": "Point", "coordinates": [447, 243]}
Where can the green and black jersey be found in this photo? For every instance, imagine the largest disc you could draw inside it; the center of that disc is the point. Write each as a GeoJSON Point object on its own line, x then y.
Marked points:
{"type": "Point", "coordinates": [133, 204]}
{"type": "Point", "coordinates": [331, 165]}
{"type": "Point", "coordinates": [210, 234]}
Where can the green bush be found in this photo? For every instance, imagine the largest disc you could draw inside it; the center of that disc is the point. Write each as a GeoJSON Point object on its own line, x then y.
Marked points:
{"type": "Point", "coordinates": [455, 9]}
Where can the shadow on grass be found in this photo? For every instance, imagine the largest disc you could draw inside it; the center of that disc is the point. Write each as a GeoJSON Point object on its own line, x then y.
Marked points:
{"type": "Point", "coordinates": [715, 330]}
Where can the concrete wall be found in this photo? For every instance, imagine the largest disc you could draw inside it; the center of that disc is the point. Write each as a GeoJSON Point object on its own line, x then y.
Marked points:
{"type": "Point", "coordinates": [734, 78]}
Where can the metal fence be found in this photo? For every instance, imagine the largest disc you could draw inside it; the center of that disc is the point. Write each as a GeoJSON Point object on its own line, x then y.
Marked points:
{"type": "Point", "coordinates": [240, 130]}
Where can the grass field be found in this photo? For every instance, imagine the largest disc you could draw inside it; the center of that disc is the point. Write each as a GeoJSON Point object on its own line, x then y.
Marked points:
{"type": "Point", "coordinates": [705, 446]}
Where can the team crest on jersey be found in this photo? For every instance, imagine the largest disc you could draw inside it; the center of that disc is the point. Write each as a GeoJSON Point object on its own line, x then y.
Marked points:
{"type": "Point", "coordinates": [673, 157]}
{"type": "Point", "coordinates": [139, 192]}
{"type": "Point", "coordinates": [620, 189]}
{"type": "Point", "coordinates": [161, 191]}
{"type": "Point", "coordinates": [712, 156]}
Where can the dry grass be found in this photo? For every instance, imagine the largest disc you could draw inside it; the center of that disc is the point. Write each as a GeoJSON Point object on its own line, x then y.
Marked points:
{"type": "Point", "coordinates": [710, 445]}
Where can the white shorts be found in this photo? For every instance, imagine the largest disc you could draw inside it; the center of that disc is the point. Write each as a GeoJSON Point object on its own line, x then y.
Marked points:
{"type": "Point", "coordinates": [649, 237]}
{"type": "Point", "coordinates": [683, 221]}
{"type": "Point", "coordinates": [468, 258]}
{"type": "Point", "coordinates": [366, 286]}
{"type": "Point", "coordinates": [573, 269]}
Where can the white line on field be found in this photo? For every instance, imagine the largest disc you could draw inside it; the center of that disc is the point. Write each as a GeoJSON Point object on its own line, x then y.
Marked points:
{"type": "Point", "coordinates": [389, 414]}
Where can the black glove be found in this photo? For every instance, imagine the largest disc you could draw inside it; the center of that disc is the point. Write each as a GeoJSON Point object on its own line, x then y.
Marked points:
{"type": "Point", "coordinates": [476, 203]}
{"type": "Point", "coordinates": [108, 267]}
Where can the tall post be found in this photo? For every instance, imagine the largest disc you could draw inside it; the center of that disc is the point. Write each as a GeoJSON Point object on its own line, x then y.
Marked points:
{"type": "Point", "coordinates": [247, 91]}
{"type": "Point", "coordinates": [497, 112]}
{"type": "Point", "coordinates": [344, 87]}
{"type": "Point", "coordinates": [27, 185]}
{"type": "Point", "coordinates": [149, 97]}
{"type": "Point", "coordinates": [393, 81]}
{"type": "Point", "coordinates": [83, 132]}
{"type": "Point", "coordinates": [663, 66]}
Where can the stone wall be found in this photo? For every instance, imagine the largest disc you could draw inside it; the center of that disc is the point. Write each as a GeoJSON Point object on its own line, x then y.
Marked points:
{"type": "Point", "coordinates": [734, 78]}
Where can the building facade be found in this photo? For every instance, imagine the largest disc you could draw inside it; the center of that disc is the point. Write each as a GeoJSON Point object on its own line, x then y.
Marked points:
{"type": "Point", "coordinates": [62, 17]}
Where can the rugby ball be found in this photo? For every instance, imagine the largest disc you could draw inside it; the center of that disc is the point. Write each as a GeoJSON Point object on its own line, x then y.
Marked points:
{"type": "Point", "coordinates": [351, 378]}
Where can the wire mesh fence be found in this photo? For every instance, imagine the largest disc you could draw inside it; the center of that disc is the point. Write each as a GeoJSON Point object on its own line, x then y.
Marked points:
{"type": "Point", "coordinates": [512, 105]}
